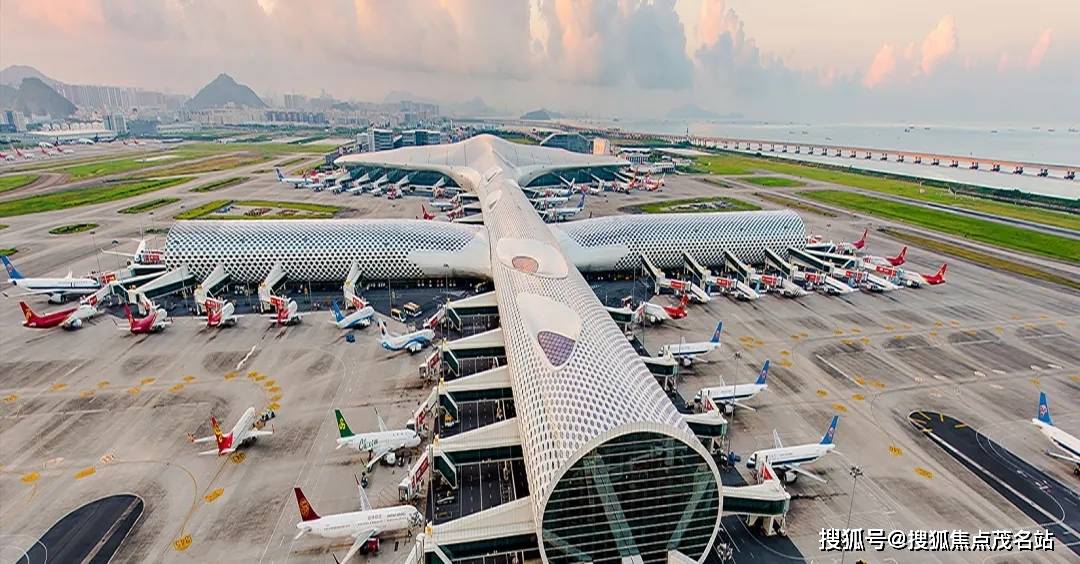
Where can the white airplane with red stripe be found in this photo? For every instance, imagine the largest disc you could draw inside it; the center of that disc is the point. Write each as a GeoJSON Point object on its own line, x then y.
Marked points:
{"type": "Point", "coordinates": [872, 260]}
{"type": "Point", "coordinates": [245, 431]}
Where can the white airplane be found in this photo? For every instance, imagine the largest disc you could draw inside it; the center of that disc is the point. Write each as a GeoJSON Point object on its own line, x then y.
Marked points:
{"type": "Point", "coordinates": [85, 141]}
{"type": "Point", "coordinates": [142, 255]}
{"type": "Point", "coordinates": [687, 353]}
{"type": "Point", "coordinates": [355, 320]}
{"type": "Point", "coordinates": [247, 430]}
{"type": "Point", "coordinates": [285, 311]}
{"type": "Point", "coordinates": [874, 260]}
{"type": "Point", "coordinates": [361, 526]}
{"type": "Point", "coordinates": [58, 289]}
{"type": "Point", "coordinates": [412, 342]}
{"type": "Point", "coordinates": [731, 396]}
{"type": "Point", "coordinates": [876, 283]}
{"type": "Point", "coordinates": [71, 318]}
{"type": "Point", "coordinates": [789, 459]}
{"type": "Point", "coordinates": [1069, 444]}
{"type": "Point", "coordinates": [444, 205]}
{"type": "Point", "coordinates": [220, 313]}
{"type": "Point", "coordinates": [155, 321]}
{"type": "Point", "coordinates": [563, 214]}
{"type": "Point", "coordinates": [348, 289]}
{"type": "Point", "coordinates": [546, 202]}
{"type": "Point", "coordinates": [380, 445]}
{"type": "Point", "coordinates": [294, 180]}
{"type": "Point", "coordinates": [7, 156]}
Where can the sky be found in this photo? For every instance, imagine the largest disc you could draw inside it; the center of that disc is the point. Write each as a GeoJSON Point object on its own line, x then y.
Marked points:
{"type": "Point", "coordinates": [850, 61]}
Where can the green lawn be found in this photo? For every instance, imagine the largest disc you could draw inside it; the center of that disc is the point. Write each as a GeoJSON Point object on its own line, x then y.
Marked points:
{"type": "Point", "coordinates": [723, 164]}
{"type": "Point", "coordinates": [670, 206]}
{"type": "Point", "coordinates": [8, 252]}
{"type": "Point", "coordinates": [903, 188]}
{"type": "Point", "coordinates": [73, 228]}
{"type": "Point", "coordinates": [997, 234]}
{"type": "Point", "coordinates": [773, 181]}
{"type": "Point", "coordinates": [149, 205]}
{"type": "Point", "coordinates": [219, 184]}
{"type": "Point", "coordinates": [84, 196]}
{"type": "Point", "coordinates": [111, 166]}
{"type": "Point", "coordinates": [16, 181]}
{"type": "Point", "coordinates": [322, 211]}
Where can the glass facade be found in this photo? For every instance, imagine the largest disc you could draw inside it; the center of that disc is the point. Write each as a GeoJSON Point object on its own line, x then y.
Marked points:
{"type": "Point", "coordinates": [640, 494]}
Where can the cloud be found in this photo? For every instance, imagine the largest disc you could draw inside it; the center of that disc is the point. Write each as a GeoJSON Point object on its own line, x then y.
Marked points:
{"type": "Point", "coordinates": [938, 44]}
{"type": "Point", "coordinates": [883, 65]}
{"type": "Point", "coordinates": [1038, 50]}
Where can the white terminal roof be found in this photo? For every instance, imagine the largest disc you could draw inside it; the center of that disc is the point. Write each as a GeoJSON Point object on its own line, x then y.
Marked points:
{"type": "Point", "coordinates": [577, 382]}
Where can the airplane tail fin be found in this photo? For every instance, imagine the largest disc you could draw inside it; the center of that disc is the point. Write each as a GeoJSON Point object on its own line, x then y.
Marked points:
{"type": "Point", "coordinates": [342, 426]}
{"type": "Point", "coordinates": [127, 312]}
{"type": "Point", "coordinates": [382, 329]}
{"type": "Point", "coordinates": [716, 334]}
{"type": "Point", "coordinates": [581, 203]}
{"type": "Point", "coordinates": [27, 312]}
{"type": "Point", "coordinates": [900, 257]}
{"type": "Point", "coordinates": [941, 271]}
{"type": "Point", "coordinates": [685, 299]}
{"type": "Point", "coordinates": [831, 431]}
{"type": "Point", "coordinates": [223, 441]}
{"type": "Point", "coordinates": [307, 513]}
{"type": "Point", "coordinates": [763, 374]}
{"type": "Point", "coordinates": [337, 311]}
{"type": "Point", "coordinates": [1044, 410]}
{"type": "Point", "coordinates": [862, 240]}
{"type": "Point", "coordinates": [279, 175]}
{"type": "Point", "coordinates": [12, 272]}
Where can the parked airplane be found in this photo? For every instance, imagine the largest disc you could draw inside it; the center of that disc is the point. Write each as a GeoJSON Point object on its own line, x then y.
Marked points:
{"type": "Point", "coordinates": [672, 312]}
{"type": "Point", "coordinates": [247, 430]}
{"type": "Point", "coordinates": [296, 181]}
{"type": "Point", "coordinates": [380, 445]}
{"type": "Point", "coordinates": [285, 311]}
{"type": "Point", "coordinates": [85, 141]}
{"type": "Point", "coordinates": [355, 320]}
{"type": "Point", "coordinates": [563, 214]}
{"type": "Point", "coordinates": [220, 313]}
{"type": "Point", "coordinates": [936, 278]}
{"type": "Point", "coordinates": [687, 353]}
{"type": "Point", "coordinates": [853, 246]}
{"type": "Point", "coordinates": [731, 396]}
{"type": "Point", "coordinates": [155, 320]}
{"type": "Point", "coordinates": [70, 318]}
{"type": "Point", "coordinates": [899, 259]}
{"type": "Point", "coordinates": [1067, 443]}
{"type": "Point", "coordinates": [789, 459]}
{"type": "Point", "coordinates": [26, 156]}
{"type": "Point", "coordinates": [56, 288]}
{"type": "Point", "coordinates": [445, 205]}
{"type": "Point", "coordinates": [428, 216]}
{"type": "Point", "coordinates": [7, 156]}
{"type": "Point", "coordinates": [142, 255]}
{"type": "Point", "coordinates": [412, 342]}
{"type": "Point", "coordinates": [361, 526]}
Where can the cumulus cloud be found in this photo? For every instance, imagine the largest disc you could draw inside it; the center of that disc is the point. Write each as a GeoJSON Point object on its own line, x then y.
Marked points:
{"type": "Point", "coordinates": [938, 44]}
{"type": "Point", "coordinates": [1038, 50]}
{"type": "Point", "coordinates": [883, 65]}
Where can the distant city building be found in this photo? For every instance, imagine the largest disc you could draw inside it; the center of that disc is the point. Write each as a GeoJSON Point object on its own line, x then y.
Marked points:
{"type": "Point", "coordinates": [418, 137]}
{"type": "Point", "coordinates": [295, 102]}
{"type": "Point", "coordinates": [16, 120]}
{"type": "Point", "coordinates": [601, 146]}
{"type": "Point", "coordinates": [143, 127]}
{"type": "Point", "coordinates": [116, 123]}
{"type": "Point", "coordinates": [380, 139]}
{"type": "Point", "coordinates": [635, 155]}
{"type": "Point", "coordinates": [295, 117]}
{"type": "Point", "coordinates": [574, 142]}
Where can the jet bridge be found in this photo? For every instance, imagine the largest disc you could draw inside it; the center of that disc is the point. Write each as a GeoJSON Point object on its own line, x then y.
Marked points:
{"type": "Point", "coordinates": [491, 384]}
{"type": "Point", "coordinates": [473, 354]}
{"type": "Point", "coordinates": [499, 440]}
{"type": "Point", "coordinates": [841, 261]}
{"type": "Point", "coordinates": [732, 262]}
{"type": "Point", "coordinates": [788, 271]}
{"type": "Point", "coordinates": [212, 283]}
{"type": "Point", "coordinates": [507, 527]}
{"type": "Point", "coordinates": [266, 288]}
{"type": "Point", "coordinates": [464, 313]}
{"type": "Point", "coordinates": [168, 283]}
{"type": "Point", "coordinates": [652, 271]}
{"type": "Point", "coordinates": [698, 274]}
{"type": "Point", "coordinates": [808, 260]}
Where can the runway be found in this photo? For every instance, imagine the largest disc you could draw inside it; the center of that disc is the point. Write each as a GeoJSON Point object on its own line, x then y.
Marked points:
{"type": "Point", "coordinates": [1047, 501]}
{"type": "Point", "coordinates": [90, 534]}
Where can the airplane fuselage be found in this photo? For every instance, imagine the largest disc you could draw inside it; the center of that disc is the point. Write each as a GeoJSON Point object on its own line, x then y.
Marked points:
{"type": "Point", "coordinates": [380, 440]}
{"type": "Point", "coordinates": [357, 522]}
{"type": "Point", "coordinates": [789, 456]}
{"type": "Point", "coordinates": [1068, 444]}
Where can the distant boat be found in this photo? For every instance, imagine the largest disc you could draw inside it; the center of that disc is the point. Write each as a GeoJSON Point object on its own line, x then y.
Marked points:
{"type": "Point", "coordinates": [993, 131]}
{"type": "Point", "coordinates": [1051, 130]}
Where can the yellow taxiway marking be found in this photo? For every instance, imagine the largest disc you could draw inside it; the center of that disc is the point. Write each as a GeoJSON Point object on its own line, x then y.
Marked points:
{"type": "Point", "coordinates": [865, 340]}
{"type": "Point", "coordinates": [58, 386]}
{"type": "Point", "coordinates": [230, 375]}
{"type": "Point", "coordinates": [146, 381]}
{"type": "Point", "coordinates": [189, 378]}
{"type": "Point", "coordinates": [999, 329]}
{"type": "Point", "coordinates": [274, 389]}
{"type": "Point", "coordinates": [933, 333]}
{"type": "Point", "coordinates": [103, 384]}
{"type": "Point", "coordinates": [822, 393]}
{"type": "Point", "coordinates": [840, 407]}
{"type": "Point", "coordinates": [275, 398]}
{"type": "Point", "coordinates": [858, 397]}
{"type": "Point", "coordinates": [954, 322]}
{"type": "Point", "coordinates": [848, 342]}
{"type": "Point", "coordinates": [960, 426]}
{"type": "Point", "coordinates": [30, 478]}
{"type": "Point", "coordinates": [134, 390]}
{"type": "Point", "coordinates": [898, 338]}
{"type": "Point", "coordinates": [785, 363]}
{"type": "Point", "coordinates": [785, 352]}
{"type": "Point", "coordinates": [10, 398]}
{"type": "Point", "coordinates": [274, 406]}
{"type": "Point", "coordinates": [253, 373]}
{"type": "Point", "coordinates": [183, 543]}
{"type": "Point", "coordinates": [938, 324]}
{"type": "Point", "coordinates": [972, 332]}
{"type": "Point", "coordinates": [895, 450]}
{"type": "Point", "coordinates": [210, 497]}
{"type": "Point", "coordinates": [888, 327]}
{"type": "Point", "coordinates": [1044, 316]}
{"type": "Point", "coordinates": [1075, 378]}
{"type": "Point", "coordinates": [86, 394]}
{"type": "Point", "coordinates": [856, 330]}
{"type": "Point", "coordinates": [237, 457]}
{"type": "Point", "coordinates": [796, 337]}
{"type": "Point", "coordinates": [270, 383]}
{"type": "Point", "coordinates": [176, 388]}
{"type": "Point", "coordinates": [838, 331]}
{"type": "Point", "coordinates": [924, 473]}
{"type": "Point", "coordinates": [941, 416]}
{"type": "Point", "coordinates": [1035, 381]}
{"type": "Point", "coordinates": [1029, 326]}
{"type": "Point", "coordinates": [260, 378]}
{"type": "Point", "coordinates": [860, 380]}
{"type": "Point", "coordinates": [878, 384]}
{"type": "Point", "coordinates": [88, 471]}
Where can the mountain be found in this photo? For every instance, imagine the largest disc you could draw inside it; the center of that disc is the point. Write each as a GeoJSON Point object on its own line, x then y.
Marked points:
{"type": "Point", "coordinates": [398, 96]}
{"type": "Point", "coordinates": [690, 111]}
{"type": "Point", "coordinates": [472, 107]}
{"type": "Point", "coordinates": [223, 91]}
{"type": "Point", "coordinates": [14, 75]}
{"type": "Point", "coordinates": [7, 96]}
{"type": "Point", "coordinates": [37, 98]}
{"type": "Point", "coordinates": [541, 115]}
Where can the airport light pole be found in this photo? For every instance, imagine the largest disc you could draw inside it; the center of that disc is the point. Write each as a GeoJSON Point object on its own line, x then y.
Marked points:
{"type": "Point", "coordinates": [855, 472]}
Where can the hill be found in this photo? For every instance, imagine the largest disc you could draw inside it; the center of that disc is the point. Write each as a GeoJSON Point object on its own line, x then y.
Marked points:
{"type": "Point", "coordinates": [14, 75]}
{"type": "Point", "coordinates": [34, 97]}
{"type": "Point", "coordinates": [7, 96]}
{"type": "Point", "coordinates": [223, 91]}
{"type": "Point", "coordinates": [541, 115]}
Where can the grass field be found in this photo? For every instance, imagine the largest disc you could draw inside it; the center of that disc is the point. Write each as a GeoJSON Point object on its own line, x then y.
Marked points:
{"type": "Point", "coordinates": [16, 181]}
{"type": "Point", "coordinates": [971, 255]}
{"type": "Point", "coordinates": [671, 206]}
{"type": "Point", "coordinates": [219, 184]}
{"type": "Point", "coordinates": [72, 228]}
{"type": "Point", "coordinates": [84, 196]}
{"type": "Point", "coordinates": [215, 164]}
{"type": "Point", "coordinates": [773, 181]}
{"type": "Point", "coordinates": [794, 204]}
{"type": "Point", "coordinates": [8, 251]}
{"type": "Point", "coordinates": [107, 167]}
{"type": "Point", "coordinates": [997, 234]}
{"type": "Point", "coordinates": [149, 205]}
{"type": "Point", "coordinates": [3, 226]}
{"type": "Point", "coordinates": [315, 211]}
{"type": "Point", "coordinates": [902, 188]}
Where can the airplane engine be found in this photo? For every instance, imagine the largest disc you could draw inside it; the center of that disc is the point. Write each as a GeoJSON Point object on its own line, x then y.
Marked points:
{"type": "Point", "coordinates": [76, 324]}
{"type": "Point", "coordinates": [390, 459]}
{"type": "Point", "coordinates": [56, 298]}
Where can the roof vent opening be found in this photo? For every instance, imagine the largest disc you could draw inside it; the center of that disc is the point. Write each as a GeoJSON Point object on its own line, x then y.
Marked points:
{"type": "Point", "coordinates": [527, 265]}
{"type": "Point", "coordinates": [533, 257]}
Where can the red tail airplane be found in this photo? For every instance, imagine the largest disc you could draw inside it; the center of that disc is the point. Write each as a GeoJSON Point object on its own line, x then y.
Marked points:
{"type": "Point", "coordinates": [936, 278]}
{"type": "Point", "coordinates": [154, 322]}
{"type": "Point", "coordinates": [427, 215]}
{"type": "Point", "coordinates": [679, 311]}
{"type": "Point", "coordinates": [70, 318]}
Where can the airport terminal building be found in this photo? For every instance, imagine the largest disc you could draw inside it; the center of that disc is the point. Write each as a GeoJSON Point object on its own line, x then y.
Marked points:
{"type": "Point", "coordinates": [611, 471]}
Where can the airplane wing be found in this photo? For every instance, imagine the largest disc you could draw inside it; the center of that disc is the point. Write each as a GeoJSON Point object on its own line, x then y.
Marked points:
{"type": "Point", "coordinates": [810, 475]}
{"type": "Point", "coordinates": [382, 424]}
{"type": "Point", "coordinates": [365, 503]}
{"type": "Point", "coordinates": [214, 452]}
{"type": "Point", "coordinates": [376, 457]}
{"type": "Point", "coordinates": [776, 439]}
{"type": "Point", "coordinates": [744, 406]}
{"type": "Point", "coordinates": [361, 537]}
{"type": "Point", "coordinates": [1064, 457]}
{"type": "Point", "coordinates": [203, 439]}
